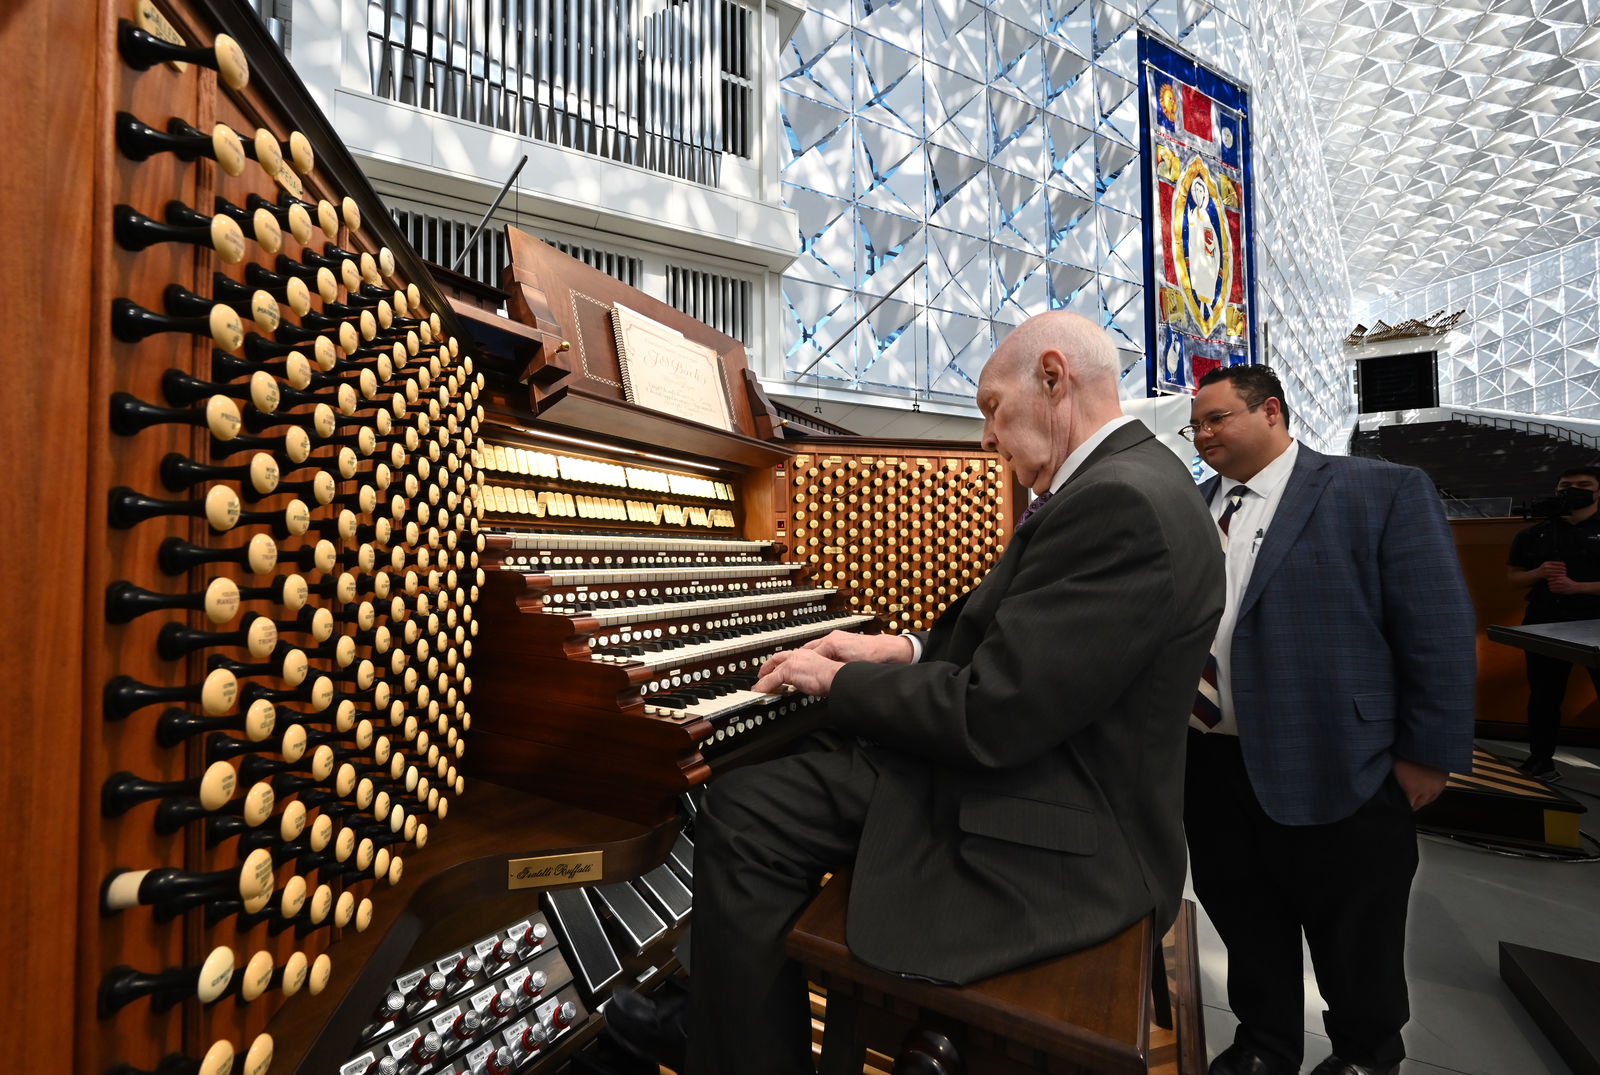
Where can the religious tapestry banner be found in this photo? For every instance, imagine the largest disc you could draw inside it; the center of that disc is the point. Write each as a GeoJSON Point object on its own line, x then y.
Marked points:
{"type": "Point", "coordinates": [1197, 202]}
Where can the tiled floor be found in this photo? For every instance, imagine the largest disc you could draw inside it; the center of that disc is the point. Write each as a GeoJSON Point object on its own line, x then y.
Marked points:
{"type": "Point", "coordinates": [1465, 901]}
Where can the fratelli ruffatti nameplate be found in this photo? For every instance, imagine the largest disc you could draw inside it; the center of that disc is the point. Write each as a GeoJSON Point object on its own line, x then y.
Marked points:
{"type": "Point", "coordinates": [545, 870]}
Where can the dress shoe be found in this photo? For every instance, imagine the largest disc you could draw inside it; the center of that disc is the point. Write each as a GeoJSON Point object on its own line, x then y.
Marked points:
{"type": "Point", "coordinates": [1242, 1060]}
{"type": "Point", "coordinates": [1540, 769]}
{"type": "Point", "coordinates": [656, 1028]}
{"type": "Point", "coordinates": [1334, 1066]}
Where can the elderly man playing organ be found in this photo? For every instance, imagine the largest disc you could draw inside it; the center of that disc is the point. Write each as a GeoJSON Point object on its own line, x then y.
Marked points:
{"type": "Point", "coordinates": [1008, 785]}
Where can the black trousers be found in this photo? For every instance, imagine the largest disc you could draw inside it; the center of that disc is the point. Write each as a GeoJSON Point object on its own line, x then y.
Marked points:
{"type": "Point", "coordinates": [763, 838]}
{"type": "Point", "coordinates": [1547, 689]}
{"type": "Point", "coordinates": [1345, 885]}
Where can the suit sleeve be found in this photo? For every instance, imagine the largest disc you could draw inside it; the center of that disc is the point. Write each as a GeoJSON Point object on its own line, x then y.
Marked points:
{"type": "Point", "coordinates": [1430, 625]}
{"type": "Point", "coordinates": [1082, 617]}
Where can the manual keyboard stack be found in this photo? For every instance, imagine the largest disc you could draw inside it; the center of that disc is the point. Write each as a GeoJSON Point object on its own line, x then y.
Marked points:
{"type": "Point", "coordinates": [655, 642]}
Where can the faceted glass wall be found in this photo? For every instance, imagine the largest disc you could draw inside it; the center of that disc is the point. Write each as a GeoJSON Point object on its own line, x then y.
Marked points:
{"type": "Point", "coordinates": [1530, 341]}
{"type": "Point", "coordinates": [986, 155]}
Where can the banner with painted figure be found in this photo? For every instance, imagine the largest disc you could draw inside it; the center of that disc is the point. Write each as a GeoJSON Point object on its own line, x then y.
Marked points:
{"type": "Point", "coordinates": [1198, 267]}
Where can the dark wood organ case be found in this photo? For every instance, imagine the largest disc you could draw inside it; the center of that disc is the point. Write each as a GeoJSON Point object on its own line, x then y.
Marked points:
{"type": "Point", "coordinates": [379, 636]}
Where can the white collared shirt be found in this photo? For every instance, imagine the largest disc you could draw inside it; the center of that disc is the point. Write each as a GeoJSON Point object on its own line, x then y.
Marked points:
{"type": "Point", "coordinates": [1246, 530]}
{"type": "Point", "coordinates": [1068, 468]}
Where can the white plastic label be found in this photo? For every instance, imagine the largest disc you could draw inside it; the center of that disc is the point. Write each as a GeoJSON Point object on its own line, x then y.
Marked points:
{"type": "Point", "coordinates": [485, 946]}
{"type": "Point", "coordinates": [480, 1000]}
{"type": "Point", "coordinates": [406, 984]}
{"type": "Point", "coordinates": [446, 1019]}
{"type": "Point", "coordinates": [447, 964]}
{"type": "Point", "coordinates": [479, 1057]}
{"type": "Point", "coordinates": [398, 1047]}
{"type": "Point", "coordinates": [512, 1035]}
{"type": "Point", "coordinates": [359, 1065]}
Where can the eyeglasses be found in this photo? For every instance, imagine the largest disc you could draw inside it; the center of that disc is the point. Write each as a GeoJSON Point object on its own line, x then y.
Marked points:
{"type": "Point", "coordinates": [1212, 422]}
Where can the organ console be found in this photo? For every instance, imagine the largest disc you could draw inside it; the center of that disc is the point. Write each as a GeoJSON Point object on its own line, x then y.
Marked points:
{"type": "Point", "coordinates": [395, 628]}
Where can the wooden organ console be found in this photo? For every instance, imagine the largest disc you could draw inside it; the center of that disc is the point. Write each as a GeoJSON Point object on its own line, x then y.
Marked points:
{"type": "Point", "coordinates": [380, 634]}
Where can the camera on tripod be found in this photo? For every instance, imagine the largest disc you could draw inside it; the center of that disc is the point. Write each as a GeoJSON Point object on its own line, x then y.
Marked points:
{"type": "Point", "coordinates": [1565, 502]}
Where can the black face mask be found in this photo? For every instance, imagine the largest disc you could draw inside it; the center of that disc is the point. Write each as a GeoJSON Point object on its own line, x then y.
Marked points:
{"type": "Point", "coordinates": [1565, 502]}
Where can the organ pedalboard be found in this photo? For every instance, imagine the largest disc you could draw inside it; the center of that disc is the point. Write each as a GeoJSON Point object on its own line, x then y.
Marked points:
{"type": "Point", "coordinates": [342, 519]}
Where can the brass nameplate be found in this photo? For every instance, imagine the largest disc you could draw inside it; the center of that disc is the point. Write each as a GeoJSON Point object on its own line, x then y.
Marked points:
{"type": "Point", "coordinates": [543, 871]}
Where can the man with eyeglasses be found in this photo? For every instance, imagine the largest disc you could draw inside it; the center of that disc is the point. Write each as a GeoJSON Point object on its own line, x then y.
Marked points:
{"type": "Point", "coordinates": [1339, 697]}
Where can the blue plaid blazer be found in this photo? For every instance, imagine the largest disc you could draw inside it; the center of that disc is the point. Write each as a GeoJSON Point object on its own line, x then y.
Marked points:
{"type": "Point", "coordinates": [1354, 643]}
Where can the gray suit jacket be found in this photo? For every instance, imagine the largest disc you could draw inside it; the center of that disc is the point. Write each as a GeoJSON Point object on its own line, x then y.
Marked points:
{"type": "Point", "coordinates": [1354, 640]}
{"type": "Point", "coordinates": [1030, 791]}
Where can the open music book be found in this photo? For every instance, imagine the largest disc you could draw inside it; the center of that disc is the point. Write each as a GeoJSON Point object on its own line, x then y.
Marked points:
{"type": "Point", "coordinates": [666, 371]}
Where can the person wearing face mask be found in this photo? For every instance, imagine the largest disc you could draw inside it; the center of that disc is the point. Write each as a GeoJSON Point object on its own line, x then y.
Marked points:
{"type": "Point", "coordinates": [1338, 699]}
{"type": "Point", "coordinates": [1559, 561]}
{"type": "Point", "coordinates": [1007, 785]}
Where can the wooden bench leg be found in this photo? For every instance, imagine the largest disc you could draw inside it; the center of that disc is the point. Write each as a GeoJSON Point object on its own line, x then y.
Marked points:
{"type": "Point", "coordinates": [842, 1051]}
{"type": "Point", "coordinates": [1160, 993]}
{"type": "Point", "coordinates": [1191, 1014]}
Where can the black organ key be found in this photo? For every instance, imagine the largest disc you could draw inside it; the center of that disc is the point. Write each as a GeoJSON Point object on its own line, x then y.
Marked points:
{"type": "Point", "coordinates": [292, 215]}
{"type": "Point", "coordinates": [321, 422]}
{"type": "Point", "coordinates": [219, 1059]}
{"type": "Point", "coordinates": [257, 634]}
{"type": "Point", "coordinates": [637, 923]}
{"type": "Point", "coordinates": [123, 791]}
{"type": "Point", "coordinates": [253, 808]}
{"type": "Point", "coordinates": [292, 521]}
{"type": "Point", "coordinates": [135, 231]}
{"type": "Point", "coordinates": [256, 721]}
{"type": "Point", "coordinates": [141, 51]}
{"type": "Point", "coordinates": [320, 350]}
{"type": "Point", "coordinates": [124, 695]}
{"type": "Point", "coordinates": [176, 556]}
{"type": "Point", "coordinates": [139, 141]}
{"type": "Point", "coordinates": [258, 476]}
{"type": "Point", "coordinates": [294, 447]}
{"type": "Point", "coordinates": [170, 892]}
{"type": "Point", "coordinates": [261, 224]}
{"type": "Point", "coordinates": [207, 982]}
{"type": "Point", "coordinates": [220, 415]}
{"type": "Point", "coordinates": [259, 306]}
{"type": "Point", "coordinates": [225, 826]}
{"type": "Point", "coordinates": [668, 893]}
{"type": "Point", "coordinates": [587, 946]}
{"type": "Point", "coordinates": [289, 290]}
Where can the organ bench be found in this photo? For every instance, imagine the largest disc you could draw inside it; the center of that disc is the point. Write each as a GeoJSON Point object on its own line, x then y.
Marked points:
{"type": "Point", "coordinates": [1086, 1012]}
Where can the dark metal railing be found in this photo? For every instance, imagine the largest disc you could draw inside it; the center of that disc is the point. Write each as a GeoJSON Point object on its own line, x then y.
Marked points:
{"type": "Point", "coordinates": [1528, 425]}
{"type": "Point", "coordinates": [670, 91]}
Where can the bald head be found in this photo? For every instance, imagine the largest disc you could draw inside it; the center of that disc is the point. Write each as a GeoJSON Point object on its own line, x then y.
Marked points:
{"type": "Point", "coordinates": [1083, 344]}
{"type": "Point", "coordinates": [1046, 389]}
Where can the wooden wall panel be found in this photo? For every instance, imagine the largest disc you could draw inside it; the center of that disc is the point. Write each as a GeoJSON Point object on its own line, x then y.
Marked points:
{"type": "Point", "coordinates": [43, 277]}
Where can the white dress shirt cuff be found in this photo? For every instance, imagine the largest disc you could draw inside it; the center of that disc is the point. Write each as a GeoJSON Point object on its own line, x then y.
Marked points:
{"type": "Point", "coordinates": [916, 647]}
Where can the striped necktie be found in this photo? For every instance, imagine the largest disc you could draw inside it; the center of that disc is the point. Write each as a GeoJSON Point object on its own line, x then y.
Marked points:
{"type": "Point", "coordinates": [1207, 707]}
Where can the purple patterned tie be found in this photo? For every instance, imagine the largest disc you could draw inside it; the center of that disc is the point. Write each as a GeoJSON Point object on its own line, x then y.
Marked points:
{"type": "Point", "coordinates": [1038, 502]}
